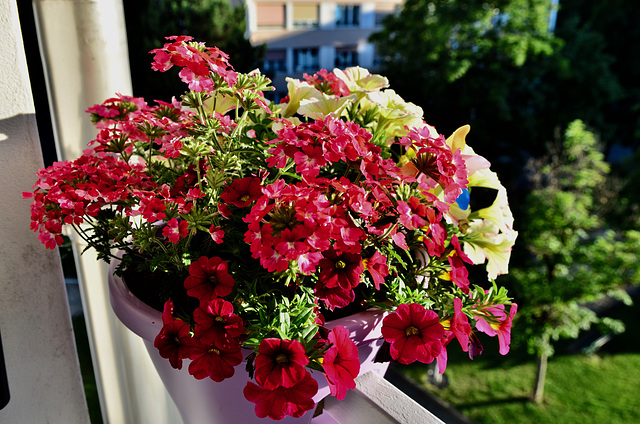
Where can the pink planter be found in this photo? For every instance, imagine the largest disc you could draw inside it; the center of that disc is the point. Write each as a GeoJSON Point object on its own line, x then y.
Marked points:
{"type": "Point", "coordinates": [205, 401]}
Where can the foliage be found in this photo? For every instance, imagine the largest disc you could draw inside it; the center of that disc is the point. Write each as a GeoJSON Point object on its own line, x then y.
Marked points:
{"type": "Point", "coordinates": [573, 258]}
{"type": "Point", "coordinates": [479, 62]}
{"type": "Point", "coordinates": [582, 69]}
{"type": "Point", "coordinates": [253, 223]}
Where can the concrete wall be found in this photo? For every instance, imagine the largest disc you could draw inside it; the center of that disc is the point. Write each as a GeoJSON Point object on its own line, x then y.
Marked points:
{"type": "Point", "coordinates": [42, 366]}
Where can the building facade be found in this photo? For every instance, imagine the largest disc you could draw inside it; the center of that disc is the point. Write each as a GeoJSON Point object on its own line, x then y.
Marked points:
{"type": "Point", "coordinates": [304, 36]}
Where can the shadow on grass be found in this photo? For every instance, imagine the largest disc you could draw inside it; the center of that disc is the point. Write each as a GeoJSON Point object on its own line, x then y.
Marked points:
{"type": "Point", "coordinates": [493, 402]}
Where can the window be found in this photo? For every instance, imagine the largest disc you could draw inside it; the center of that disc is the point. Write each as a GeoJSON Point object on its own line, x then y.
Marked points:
{"type": "Point", "coordinates": [271, 15]}
{"type": "Point", "coordinates": [346, 57]}
{"type": "Point", "coordinates": [305, 60]}
{"type": "Point", "coordinates": [275, 61]}
{"type": "Point", "coordinates": [383, 10]}
{"type": "Point", "coordinates": [305, 15]}
{"type": "Point", "coordinates": [347, 15]}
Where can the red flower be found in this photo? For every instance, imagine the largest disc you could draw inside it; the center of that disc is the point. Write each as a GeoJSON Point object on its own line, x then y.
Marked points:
{"type": "Point", "coordinates": [459, 272]}
{"type": "Point", "coordinates": [334, 297]}
{"type": "Point", "coordinates": [214, 360]}
{"type": "Point", "coordinates": [460, 325]}
{"type": "Point", "coordinates": [208, 279]}
{"type": "Point", "coordinates": [414, 332]}
{"type": "Point", "coordinates": [378, 268]}
{"type": "Point", "coordinates": [152, 209]}
{"type": "Point", "coordinates": [280, 363]}
{"type": "Point", "coordinates": [216, 323]}
{"type": "Point", "coordinates": [174, 342]}
{"type": "Point", "coordinates": [412, 213]}
{"type": "Point", "coordinates": [282, 401]}
{"type": "Point", "coordinates": [342, 270]}
{"type": "Point", "coordinates": [174, 230]}
{"type": "Point", "coordinates": [341, 362]}
{"type": "Point", "coordinates": [217, 234]}
{"type": "Point", "coordinates": [241, 192]}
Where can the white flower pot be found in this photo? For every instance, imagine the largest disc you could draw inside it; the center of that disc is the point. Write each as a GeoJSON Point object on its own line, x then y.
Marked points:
{"type": "Point", "coordinates": [205, 401]}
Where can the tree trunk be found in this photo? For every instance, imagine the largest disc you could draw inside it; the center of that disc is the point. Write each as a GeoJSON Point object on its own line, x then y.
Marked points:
{"type": "Point", "coordinates": [541, 376]}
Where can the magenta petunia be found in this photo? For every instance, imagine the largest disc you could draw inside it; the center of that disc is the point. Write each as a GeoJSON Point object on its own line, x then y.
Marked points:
{"type": "Point", "coordinates": [341, 362]}
{"type": "Point", "coordinates": [277, 403]}
{"type": "Point", "coordinates": [216, 322]}
{"type": "Point", "coordinates": [242, 192]}
{"type": "Point", "coordinates": [280, 363]}
{"type": "Point", "coordinates": [208, 279]}
{"type": "Point", "coordinates": [340, 270]}
{"type": "Point", "coordinates": [214, 360]}
{"type": "Point", "coordinates": [414, 332]}
{"type": "Point", "coordinates": [502, 328]}
{"type": "Point", "coordinates": [174, 342]}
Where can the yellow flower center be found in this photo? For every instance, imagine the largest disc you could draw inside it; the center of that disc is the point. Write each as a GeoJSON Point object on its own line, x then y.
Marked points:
{"type": "Point", "coordinates": [282, 358]}
{"type": "Point", "coordinates": [411, 331]}
{"type": "Point", "coordinates": [341, 265]}
{"type": "Point", "coordinates": [214, 351]}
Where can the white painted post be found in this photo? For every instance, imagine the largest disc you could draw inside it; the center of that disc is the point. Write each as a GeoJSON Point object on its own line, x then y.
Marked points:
{"type": "Point", "coordinates": [376, 401]}
{"type": "Point", "coordinates": [84, 51]}
{"type": "Point", "coordinates": [42, 365]}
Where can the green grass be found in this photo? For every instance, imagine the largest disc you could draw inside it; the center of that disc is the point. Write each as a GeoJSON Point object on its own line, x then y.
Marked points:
{"type": "Point", "coordinates": [86, 369]}
{"type": "Point", "coordinates": [599, 388]}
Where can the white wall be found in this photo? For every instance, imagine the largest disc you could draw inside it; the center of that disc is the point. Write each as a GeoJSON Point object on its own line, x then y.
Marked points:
{"type": "Point", "coordinates": [84, 51]}
{"type": "Point", "coordinates": [42, 366]}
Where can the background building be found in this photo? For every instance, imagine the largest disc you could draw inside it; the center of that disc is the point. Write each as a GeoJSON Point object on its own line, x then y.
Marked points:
{"type": "Point", "coordinates": [309, 35]}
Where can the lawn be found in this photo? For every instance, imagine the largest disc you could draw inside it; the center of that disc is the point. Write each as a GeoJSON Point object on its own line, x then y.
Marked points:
{"type": "Point", "coordinates": [599, 388]}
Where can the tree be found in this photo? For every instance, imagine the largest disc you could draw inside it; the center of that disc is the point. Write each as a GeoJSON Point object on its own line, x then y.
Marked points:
{"type": "Point", "coordinates": [464, 63]}
{"type": "Point", "coordinates": [572, 258]}
{"type": "Point", "coordinates": [215, 22]}
{"type": "Point", "coordinates": [616, 24]}
{"type": "Point", "coordinates": [497, 66]}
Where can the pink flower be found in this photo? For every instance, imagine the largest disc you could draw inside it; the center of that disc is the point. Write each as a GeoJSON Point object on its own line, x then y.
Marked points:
{"type": "Point", "coordinates": [217, 234]}
{"type": "Point", "coordinates": [459, 272]}
{"type": "Point", "coordinates": [208, 279]}
{"type": "Point", "coordinates": [460, 325]}
{"type": "Point", "coordinates": [277, 403]}
{"type": "Point", "coordinates": [341, 362]}
{"type": "Point", "coordinates": [378, 268]}
{"type": "Point", "coordinates": [196, 82]}
{"type": "Point", "coordinates": [502, 328]}
{"type": "Point", "coordinates": [174, 230]}
{"type": "Point", "coordinates": [280, 363]}
{"type": "Point", "coordinates": [414, 332]}
{"type": "Point", "coordinates": [411, 214]}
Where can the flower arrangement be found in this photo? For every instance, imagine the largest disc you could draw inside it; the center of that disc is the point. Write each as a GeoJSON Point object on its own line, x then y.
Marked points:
{"type": "Point", "coordinates": [252, 223]}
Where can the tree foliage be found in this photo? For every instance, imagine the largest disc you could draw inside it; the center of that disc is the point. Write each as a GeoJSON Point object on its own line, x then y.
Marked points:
{"type": "Point", "coordinates": [570, 260]}
{"type": "Point", "coordinates": [472, 62]}
{"type": "Point", "coordinates": [571, 257]}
